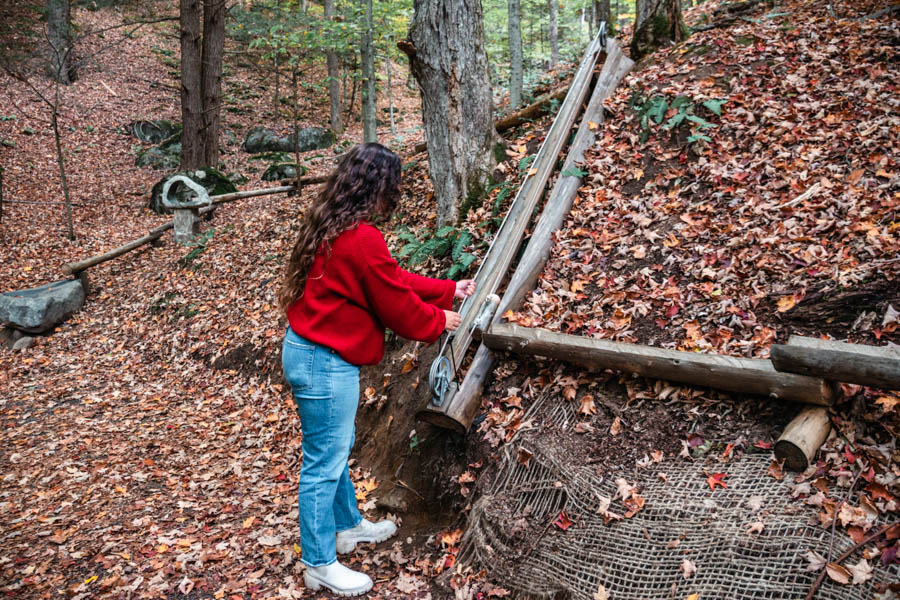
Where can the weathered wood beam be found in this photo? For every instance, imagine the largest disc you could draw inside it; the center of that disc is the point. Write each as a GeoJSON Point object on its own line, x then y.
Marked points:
{"type": "Point", "coordinates": [729, 373]}
{"type": "Point", "coordinates": [874, 366]}
{"type": "Point", "coordinates": [465, 402]}
{"type": "Point", "coordinates": [803, 437]}
{"type": "Point", "coordinates": [509, 237]}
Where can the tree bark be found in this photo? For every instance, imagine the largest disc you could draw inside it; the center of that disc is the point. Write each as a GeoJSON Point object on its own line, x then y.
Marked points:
{"type": "Point", "coordinates": [602, 13]}
{"type": "Point", "coordinates": [367, 52]}
{"type": "Point", "coordinates": [191, 18]}
{"type": "Point", "coordinates": [334, 74]}
{"type": "Point", "coordinates": [554, 32]}
{"type": "Point", "coordinates": [447, 56]}
{"type": "Point", "coordinates": [515, 53]}
{"type": "Point", "coordinates": [657, 23]}
{"type": "Point", "coordinates": [211, 77]}
{"type": "Point", "coordinates": [873, 366]}
{"type": "Point", "coordinates": [58, 31]}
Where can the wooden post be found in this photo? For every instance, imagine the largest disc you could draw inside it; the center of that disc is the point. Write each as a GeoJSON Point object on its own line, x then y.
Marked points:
{"type": "Point", "coordinates": [186, 223]}
{"type": "Point", "coordinates": [803, 437]}
{"type": "Point", "coordinates": [875, 366]}
{"type": "Point", "coordinates": [729, 373]}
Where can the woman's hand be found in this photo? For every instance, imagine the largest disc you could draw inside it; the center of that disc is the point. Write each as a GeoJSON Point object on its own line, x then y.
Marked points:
{"type": "Point", "coordinates": [452, 320]}
{"type": "Point", "coordinates": [464, 288]}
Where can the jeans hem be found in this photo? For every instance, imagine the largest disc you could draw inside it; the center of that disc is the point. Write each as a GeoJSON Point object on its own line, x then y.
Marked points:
{"type": "Point", "coordinates": [351, 527]}
{"type": "Point", "coordinates": [325, 564]}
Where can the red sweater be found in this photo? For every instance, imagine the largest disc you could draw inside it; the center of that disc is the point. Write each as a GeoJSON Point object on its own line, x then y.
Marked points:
{"type": "Point", "coordinates": [358, 290]}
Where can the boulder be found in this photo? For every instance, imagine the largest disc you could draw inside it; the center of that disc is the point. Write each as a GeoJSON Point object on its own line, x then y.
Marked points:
{"type": "Point", "coordinates": [154, 132]}
{"type": "Point", "coordinates": [38, 309]}
{"type": "Point", "coordinates": [214, 181]}
{"type": "Point", "coordinates": [164, 157]}
{"type": "Point", "coordinates": [262, 139]}
{"type": "Point", "coordinates": [23, 343]}
{"type": "Point", "coordinates": [280, 171]}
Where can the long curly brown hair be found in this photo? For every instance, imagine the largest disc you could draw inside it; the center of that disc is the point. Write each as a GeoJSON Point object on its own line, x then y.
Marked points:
{"type": "Point", "coordinates": [365, 185]}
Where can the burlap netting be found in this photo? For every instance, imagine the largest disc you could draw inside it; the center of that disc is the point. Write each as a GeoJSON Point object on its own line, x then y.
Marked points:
{"type": "Point", "coordinates": [641, 558]}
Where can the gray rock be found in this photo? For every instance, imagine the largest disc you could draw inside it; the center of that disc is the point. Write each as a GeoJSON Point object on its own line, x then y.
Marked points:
{"type": "Point", "coordinates": [262, 139]}
{"type": "Point", "coordinates": [154, 132]}
{"type": "Point", "coordinates": [10, 336]}
{"type": "Point", "coordinates": [280, 171]}
{"type": "Point", "coordinates": [164, 157]}
{"type": "Point", "coordinates": [214, 181]}
{"type": "Point", "coordinates": [23, 343]}
{"type": "Point", "coordinates": [38, 309]}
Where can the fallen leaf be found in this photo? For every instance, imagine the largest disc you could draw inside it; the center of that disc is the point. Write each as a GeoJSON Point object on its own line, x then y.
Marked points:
{"type": "Point", "coordinates": [837, 573]}
{"type": "Point", "coordinates": [775, 470]}
{"type": "Point", "coordinates": [616, 427]}
{"type": "Point", "coordinates": [716, 479]}
{"type": "Point", "coordinates": [786, 303]}
{"type": "Point", "coordinates": [756, 527]}
{"type": "Point", "coordinates": [524, 456]}
{"type": "Point", "coordinates": [563, 521]}
{"type": "Point", "coordinates": [601, 593]}
{"type": "Point", "coordinates": [587, 405]}
{"type": "Point", "coordinates": [861, 571]}
{"type": "Point", "coordinates": [816, 561]}
{"type": "Point", "coordinates": [688, 568]}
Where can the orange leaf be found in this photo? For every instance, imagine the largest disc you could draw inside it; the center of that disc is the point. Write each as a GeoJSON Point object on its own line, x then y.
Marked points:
{"type": "Point", "coordinates": [786, 303]}
{"type": "Point", "coordinates": [716, 479]}
{"type": "Point", "coordinates": [563, 521]}
{"type": "Point", "coordinates": [587, 405]}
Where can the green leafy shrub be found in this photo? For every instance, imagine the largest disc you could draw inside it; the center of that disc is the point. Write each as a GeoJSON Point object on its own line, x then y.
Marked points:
{"type": "Point", "coordinates": [446, 242]}
{"type": "Point", "coordinates": [653, 110]}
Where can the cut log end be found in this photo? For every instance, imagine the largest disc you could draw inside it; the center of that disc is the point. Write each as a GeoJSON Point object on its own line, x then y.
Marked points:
{"type": "Point", "coordinates": [440, 419]}
{"type": "Point", "coordinates": [803, 437]}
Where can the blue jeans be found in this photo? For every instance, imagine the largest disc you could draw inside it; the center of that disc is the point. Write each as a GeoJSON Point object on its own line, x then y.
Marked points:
{"type": "Point", "coordinates": [326, 389]}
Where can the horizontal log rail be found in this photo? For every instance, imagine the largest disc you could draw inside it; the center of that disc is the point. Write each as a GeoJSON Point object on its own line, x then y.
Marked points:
{"type": "Point", "coordinates": [729, 373]}
{"type": "Point", "coordinates": [874, 366]}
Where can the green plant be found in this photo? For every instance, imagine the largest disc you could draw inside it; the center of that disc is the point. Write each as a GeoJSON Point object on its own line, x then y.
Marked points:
{"type": "Point", "coordinates": [445, 242]}
{"type": "Point", "coordinates": [654, 110]}
{"type": "Point", "coordinates": [198, 247]}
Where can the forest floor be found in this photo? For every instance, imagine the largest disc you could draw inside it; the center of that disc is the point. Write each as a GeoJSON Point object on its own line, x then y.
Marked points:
{"type": "Point", "coordinates": [150, 446]}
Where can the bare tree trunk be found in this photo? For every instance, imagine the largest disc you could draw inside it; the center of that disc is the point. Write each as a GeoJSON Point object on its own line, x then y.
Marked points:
{"type": "Point", "coordinates": [367, 52]}
{"type": "Point", "coordinates": [58, 30]}
{"type": "Point", "coordinates": [211, 77]}
{"type": "Point", "coordinates": [390, 85]}
{"type": "Point", "coordinates": [447, 55]}
{"type": "Point", "coordinates": [554, 33]}
{"type": "Point", "coordinates": [61, 160]}
{"type": "Point", "coordinates": [657, 23]}
{"type": "Point", "coordinates": [515, 53]}
{"type": "Point", "coordinates": [191, 98]}
{"type": "Point", "coordinates": [334, 74]}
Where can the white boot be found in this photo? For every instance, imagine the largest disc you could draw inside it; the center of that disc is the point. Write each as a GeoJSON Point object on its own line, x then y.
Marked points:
{"type": "Point", "coordinates": [365, 532]}
{"type": "Point", "coordinates": [337, 578]}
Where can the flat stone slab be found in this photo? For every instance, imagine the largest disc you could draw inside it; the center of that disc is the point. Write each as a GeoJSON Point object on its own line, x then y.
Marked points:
{"type": "Point", "coordinates": [38, 309]}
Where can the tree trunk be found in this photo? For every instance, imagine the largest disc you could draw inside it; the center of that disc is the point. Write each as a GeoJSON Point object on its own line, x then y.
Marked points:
{"type": "Point", "coordinates": [515, 54]}
{"type": "Point", "coordinates": [447, 55]}
{"type": "Point", "coordinates": [367, 52]}
{"type": "Point", "coordinates": [602, 13]}
{"type": "Point", "coordinates": [554, 33]}
{"type": "Point", "coordinates": [211, 77]}
{"type": "Point", "coordinates": [60, 159]}
{"type": "Point", "coordinates": [58, 30]}
{"type": "Point", "coordinates": [334, 74]}
{"type": "Point", "coordinates": [657, 23]}
{"type": "Point", "coordinates": [191, 100]}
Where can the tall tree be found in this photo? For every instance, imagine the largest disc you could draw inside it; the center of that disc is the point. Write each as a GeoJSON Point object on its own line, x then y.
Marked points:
{"type": "Point", "coordinates": [367, 56]}
{"type": "Point", "coordinates": [515, 53]}
{"type": "Point", "coordinates": [202, 50]}
{"type": "Point", "coordinates": [59, 25]}
{"type": "Point", "coordinates": [446, 51]}
{"type": "Point", "coordinates": [334, 74]}
{"type": "Point", "coordinates": [656, 23]}
{"type": "Point", "coordinates": [554, 32]}
{"type": "Point", "coordinates": [602, 13]}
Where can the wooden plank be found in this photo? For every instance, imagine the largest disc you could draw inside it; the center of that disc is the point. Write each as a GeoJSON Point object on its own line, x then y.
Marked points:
{"type": "Point", "coordinates": [509, 237]}
{"type": "Point", "coordinates": [874, 366]}
{"type": "Point", "coordinates": [460, 408]}
{"type": "Point", "coordinates": [803, 437]}
{"type": "Point", "coordinates": [729, 373]}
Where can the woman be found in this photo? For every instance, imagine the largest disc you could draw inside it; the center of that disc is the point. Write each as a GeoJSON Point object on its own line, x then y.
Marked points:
{"type": "Point", "coordinates": [341, 290]}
